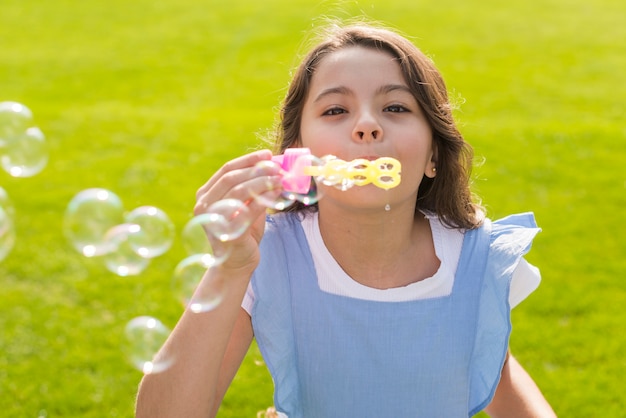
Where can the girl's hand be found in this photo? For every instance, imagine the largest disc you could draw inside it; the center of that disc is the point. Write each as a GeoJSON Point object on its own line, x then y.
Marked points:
{"type": "Point", "coordinates": [241, 179]}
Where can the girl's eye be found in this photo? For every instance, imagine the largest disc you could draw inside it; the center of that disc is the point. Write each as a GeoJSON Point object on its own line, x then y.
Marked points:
{"type": "Point", "coordinates": [396, 109]}
{"type": "Point", "coordinates": [334, 111]}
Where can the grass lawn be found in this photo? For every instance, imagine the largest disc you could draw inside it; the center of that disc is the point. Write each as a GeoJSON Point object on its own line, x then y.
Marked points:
{"type": "Point", "coordinates": [149, 98]}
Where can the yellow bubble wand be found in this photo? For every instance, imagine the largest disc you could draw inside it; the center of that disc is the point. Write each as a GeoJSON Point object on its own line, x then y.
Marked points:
{"type": "Point", "coordinates": [299, 166]}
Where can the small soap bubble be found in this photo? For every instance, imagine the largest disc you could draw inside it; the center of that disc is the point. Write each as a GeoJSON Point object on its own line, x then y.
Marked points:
{"type": "Point", "coordinates": [230, 219]}
{"type": "Point", "coordinates": [278, 203]}
{"type": "Point", "coordinates": [156, 231]}
{"type": "Point", "coordinates": [310, 198]}
{"type": "Point", "coordinates": [282, 202]}
{"type": "Point", "coordinates": [120, 256]}
{"type": "Point", "coordinates": [145, 337]}
{"type": "Point", "coordinates": [188, 275]}
{"type": "Point", "coordinates": [7, 233]}
{"type": "Point", "coordinates": [88, 217]}
{"type": "Point", "coordinates": [196, 241]}
{"type": "Point", "coordinates": [15, 118]}
{"type": "Point", "coordinates": [25, 154]}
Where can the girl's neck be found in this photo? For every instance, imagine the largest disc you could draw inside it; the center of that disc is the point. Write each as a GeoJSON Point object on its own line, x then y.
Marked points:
{"type": "Point", "coordinates": [385, 249]}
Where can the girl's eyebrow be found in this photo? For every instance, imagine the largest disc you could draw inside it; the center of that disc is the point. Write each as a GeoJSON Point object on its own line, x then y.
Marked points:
{"type": "Point", "coordinates": [387, 88]}
{"type": "Point", "coordinates": [333, 90]}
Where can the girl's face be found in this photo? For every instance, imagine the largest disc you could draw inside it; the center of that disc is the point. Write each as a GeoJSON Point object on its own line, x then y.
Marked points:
{"type": "Point", "coordinates": [359, 106]}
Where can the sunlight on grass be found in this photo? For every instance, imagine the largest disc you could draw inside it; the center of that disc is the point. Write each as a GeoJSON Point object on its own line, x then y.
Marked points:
{"type": "Point", "coordinates": [148, 99]}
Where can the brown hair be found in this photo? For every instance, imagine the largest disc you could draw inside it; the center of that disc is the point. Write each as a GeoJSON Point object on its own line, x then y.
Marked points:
{"type": "Point", "coordinates": [448, 194]}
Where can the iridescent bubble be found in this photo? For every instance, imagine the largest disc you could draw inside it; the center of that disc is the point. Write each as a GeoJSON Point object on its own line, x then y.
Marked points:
{"type": "Point", "coordinates": [120, 256]}
{"type": "Point", "coordinates": [7, 204]}
{"type": "Point", "coordinates": [280, 203]}
{"type": "Point", "coordinates": [15, 118]}
{"type": "Point", "coordinates": [156, 234]}
{"type": "Point", "coordinates": [7, 234]}
{"type": "Point", "coordinates": [89, 216]}
{"type": "Point", "coordinates": [188, 275]}
{"type": "Point", "coordinates": [313, 196]}
{"type": "Point", "coordinates": [25, 154]}
{"type": "Point", "coordinates": [196, 241]}
{"type": "Point", "coordinates": [145, 337]}
{"type": "Point", "coordinates": [230, 218]}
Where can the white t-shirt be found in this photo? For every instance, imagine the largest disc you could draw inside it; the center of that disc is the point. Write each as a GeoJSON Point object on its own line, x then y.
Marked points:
{"type": "Point", "coordinates": [448, 243]}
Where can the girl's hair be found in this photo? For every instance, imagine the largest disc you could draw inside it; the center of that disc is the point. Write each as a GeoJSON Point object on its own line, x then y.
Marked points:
{"type": "Point", "coordinates": [448, 194]}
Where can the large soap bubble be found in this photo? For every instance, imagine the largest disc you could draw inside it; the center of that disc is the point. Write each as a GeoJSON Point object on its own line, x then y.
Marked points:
{"type": "Point", "coordinates": [7, 234]}
{"type": "Point", "coordinates": [145, 337]}
{"type": "Point", "coordinates": [15, 118]}
{"type": "Point", "coordinates": [156, 231]}
{"type": "Point", "coordinates": [120, 256]}
{"type": "Point", "coordinates": [230, 218]}
{"type": "Point", "coordinates": [25, 154]}
{"type": "Point", "coordinates": [88, 218]}
{"type": "Point", "coordinates": [281, 202]}
{"type": "Point", "coordinates": [188, 275]}
{"type": "Point", "coordinates": [196, 241]}
{"type": "Point", "coordinates": [6, 204]}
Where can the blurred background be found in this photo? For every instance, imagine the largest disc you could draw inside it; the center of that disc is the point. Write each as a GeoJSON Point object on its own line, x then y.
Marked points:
{"type": "Point", "coordinates": [148, 98]}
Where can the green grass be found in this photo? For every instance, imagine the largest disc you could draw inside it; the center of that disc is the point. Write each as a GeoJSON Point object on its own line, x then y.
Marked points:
{"type": "Point", "coordinates": [149, 98]}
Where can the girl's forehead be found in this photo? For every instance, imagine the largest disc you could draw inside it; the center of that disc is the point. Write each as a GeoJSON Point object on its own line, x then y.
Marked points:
{"type": "Point", "coordinates": [357, 62]}
{"type": "Point", "coordinates": [355, 55]}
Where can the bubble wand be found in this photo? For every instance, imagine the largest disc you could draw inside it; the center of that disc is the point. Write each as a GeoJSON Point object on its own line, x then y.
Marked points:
{"type": "Point", "coordinates": [299, 166]}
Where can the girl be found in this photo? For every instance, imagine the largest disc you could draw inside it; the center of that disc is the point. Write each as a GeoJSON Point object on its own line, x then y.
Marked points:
{"type": "Point", "coordinates": [373, 302]}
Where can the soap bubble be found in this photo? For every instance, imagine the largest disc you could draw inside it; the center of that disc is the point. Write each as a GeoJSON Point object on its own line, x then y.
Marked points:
{"type": "Point", "coordinates": [229, 219]}
{"type": "Point", "coordinates": [6, 204]}
{"type": "Point", "coordinates": [313, 196]}
{"type": "Point", "coordinates": [145, 337]}
{"type": "Point", "coordinates": [7, 233]}
{"type": "Point", "coordinates": [89, 216]}
{"type": "Point", "coordinates": [188, 274]}
{"type": "Point", "coordinates": [15, 118]}
{"type": "Point", "coordinates": [24, 154]}
{"type": "Point", "coordinates": [195, 239]}
{"type": "Point", "coordinates": [156, 231]}
{"type": "Point", "coordinates": [120, 256]}
{"type": "Point", "coordinates": [281, 202]}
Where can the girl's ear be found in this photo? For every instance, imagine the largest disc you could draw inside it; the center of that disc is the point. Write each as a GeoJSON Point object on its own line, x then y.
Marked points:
{"type": "Point", "coordinates": [431, 167]}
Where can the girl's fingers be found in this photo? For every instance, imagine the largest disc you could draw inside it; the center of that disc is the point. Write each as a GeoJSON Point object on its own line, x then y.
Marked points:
{"type": "Point", "coordinates": [240, 179]}
{"type": "Point", "coordinates": [231, 173]}
{"type": "Point", "coordinates": [246, 192]}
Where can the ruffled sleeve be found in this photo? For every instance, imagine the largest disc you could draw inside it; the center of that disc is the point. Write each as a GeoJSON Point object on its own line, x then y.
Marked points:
{"type": "Point", "coordinates": [510, 239]}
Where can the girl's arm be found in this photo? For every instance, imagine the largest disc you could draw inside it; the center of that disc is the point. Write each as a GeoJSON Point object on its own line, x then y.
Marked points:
{"type": "Point", "coordinates": [207, 348]}
{"type": "Point", "coordinates": [517, 395]}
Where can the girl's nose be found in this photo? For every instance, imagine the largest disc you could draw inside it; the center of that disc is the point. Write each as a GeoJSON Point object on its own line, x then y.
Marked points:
{"type": "Point", "coordinates": [367, 129]}
{"type": "Point", "coordinates": [372, 135]}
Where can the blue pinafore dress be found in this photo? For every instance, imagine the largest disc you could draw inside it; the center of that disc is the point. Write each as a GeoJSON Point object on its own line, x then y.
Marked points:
{"type": "Point", "coordinates": [336, 356]}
